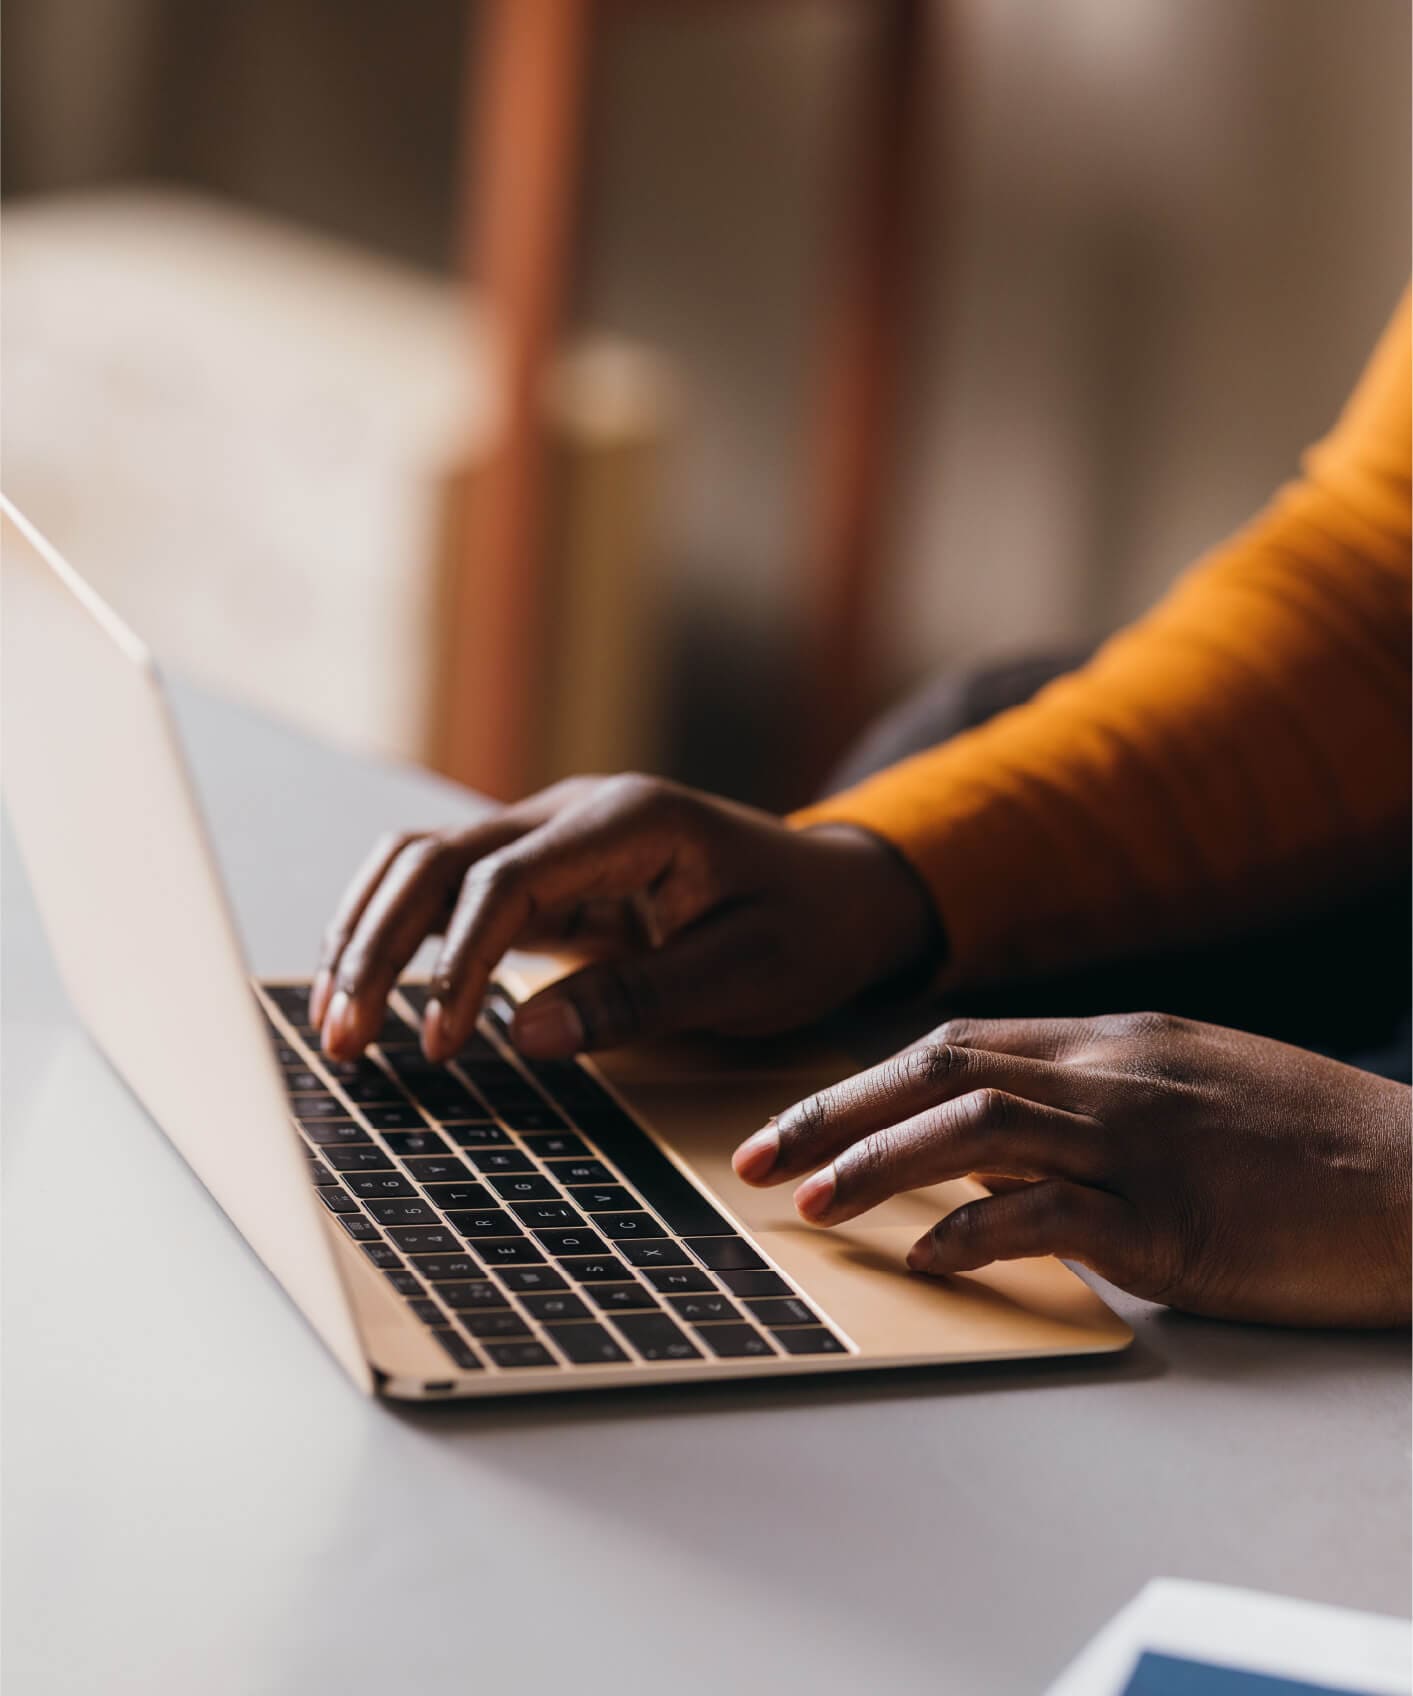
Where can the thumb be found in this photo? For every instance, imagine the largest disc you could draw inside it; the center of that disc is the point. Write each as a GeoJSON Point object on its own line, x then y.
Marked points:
{"type": "Point", "coordinates": [686, 984]}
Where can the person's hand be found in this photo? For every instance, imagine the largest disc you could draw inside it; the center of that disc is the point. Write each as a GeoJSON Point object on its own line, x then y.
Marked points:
{"type": "Point", "coordinates": [1214, 1171]}
{"type": "Point", "coordinates": [705, 915]}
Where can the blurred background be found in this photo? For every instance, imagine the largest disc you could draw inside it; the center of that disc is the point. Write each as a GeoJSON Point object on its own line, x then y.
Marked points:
{"type": "Point", "coordinates": [525, 386]}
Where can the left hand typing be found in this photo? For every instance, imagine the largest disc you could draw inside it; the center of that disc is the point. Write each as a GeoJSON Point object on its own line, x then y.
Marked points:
{"type": "Point", "coordinates": [1215, 1171]}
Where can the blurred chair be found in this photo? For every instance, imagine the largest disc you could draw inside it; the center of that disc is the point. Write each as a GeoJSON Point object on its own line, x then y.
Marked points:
{"type": "Point", "coordinates": [521, 182]}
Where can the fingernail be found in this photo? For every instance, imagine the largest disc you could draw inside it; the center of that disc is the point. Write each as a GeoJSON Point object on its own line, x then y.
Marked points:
{"type": "Point", "coordinates": [338, 1022]}
{"type": "Point", "coordinates": [319, 992]}
{"type": "Point", "coordinates": [757, 1154]}
{"type": "Point", "coordinates": [920, 1255]}
{"type": "Point", "coordinates": [816, 1195]}
{"type": "Point", "coordinates": [434, 1030]}
{"type": "Point", "coordinates": [545, 1030]}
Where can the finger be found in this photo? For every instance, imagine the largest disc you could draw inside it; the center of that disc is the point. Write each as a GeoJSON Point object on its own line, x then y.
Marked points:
{"type": "Point", "coordinates": [347, 914]}
{"type": "Point", "coordinates": [1040, 1039]}
{"type": "Point", "coordinates": [988, 1127]}
{"type": "Point", "coordinates": [1058, 1218]}
{"type": "Point", "coordinates": [682, 986]}
{"type": "Point", "coordinates": [602, 850]}
{"type": "Point", "coordinates": [816, 1129]}
{"type": "Point", "coordinates": [413, 901]}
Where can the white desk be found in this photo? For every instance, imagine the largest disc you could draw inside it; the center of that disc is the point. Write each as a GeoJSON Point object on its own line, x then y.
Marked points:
{"type": "Point", "coordinates": [246, 1524]}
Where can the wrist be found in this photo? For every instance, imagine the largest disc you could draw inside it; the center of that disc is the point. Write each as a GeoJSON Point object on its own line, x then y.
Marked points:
{"type": "Point", "coordinates": [901, 932]}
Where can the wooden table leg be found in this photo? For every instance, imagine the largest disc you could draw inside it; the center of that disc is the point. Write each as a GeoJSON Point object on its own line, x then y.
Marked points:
{"type": "Point", "coordinates": [851, 452]}
{"type": "Point", "coordinates": [522, 177]}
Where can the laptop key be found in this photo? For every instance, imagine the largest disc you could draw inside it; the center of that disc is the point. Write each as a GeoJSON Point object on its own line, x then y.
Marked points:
{"type": "Point", "coordinates": [524, 1186]}
{"type": "Point", "coordinates": [405, 1143]}
{"type": "Point", "coordinates": [336, 1133]}
{"type": "Point", "coordinates": [813, 1340]}
{"type": "Point", "coordinates": [785, 1310]}
{"type": "Point", "coordinates": [604, 1198]}
{"type": "Point", "coordinates": [655, 1337]}
{"type": "Point", "coordinates": [379, 1186]}
{"type": "Point", "coordinates": [726, 1254]}
{"type": "Point", "coordinates": [586, 1345]}
{"type": "Point", "coordinates": [734, 1342]}
{"type": "Point", "coordinates": [484, 1222]}
{"type": "Point", "coordinates": [459, 1349]}
{"type": "Point", "coordinates": [521, 1278]}
{"type": "Point", "coordinates": [405, 1284]}
{"type": "Point", "coordinates": [382, 1255]}
{"type": "Point", "coordinates": [702, 1310]}
{"type": "Point", "coordinates": [477, 1293]}
{"type": "Point", "coordinates": [362, 1158]}
{"type": "Point", "coordinates": [450, 1196]}
{"type": "Point", "coordinates": [622, 1227]}
{"type": "Point", "coordinates": [405, 1118]}
{"type": "Point", "coordinates": [656, 1251]}
{"type": "Point", "coordinates": [359, 1227]}
{"type": "Point", "coordinates": [514, 1355]}
{"type": "Point", "coordinates": [613, 1298]}
{"type": "Point", "coordinates": [309, 1109]}
{"type": "Point", "coordinates": [560, 1242]}
{"type": "Point", "coordinates": [583, 1172]}
{"type": "Point", "coordinates": [337, 1201]}
{"type": "Point", "coordinates": [676, 1279]}
{"type": "Point", "coordinates": [552, 1305]}
{"type": "Point", "coordinates": [321, 1177]}
{"type": "Point", "coordinates": [506, 1251]}
{"type": "Point", "coordinates": [547, 1213]}
{"type": "Point", "coordinates": [755, 1283]}
{"type": "Point", "coordinates": [424, 1239]}
{"type": "Point", "coordinates": [299, 1082]}
{"type": "Point", "coordinates": [427, 1311]}
{"type": "Point", "coordinates": [493, 1160]}
{"type": "Point", "coordinates": [474, 1135]}
{"type": "Point", "coordinates": [557, 1145]}
{"type": "Point", "coordinates": [369, 1092]}
{"type": "Point", "coordinates": [493, 1324]}
{"type": "Point", "coordinates": [402, 1212]}
{"type": "Point", "coordinates": [436, 1168]}
{"type": "Point", "coordinates": [446, 1268]}
{"type": "Point", "coordinates": [596, 1269]}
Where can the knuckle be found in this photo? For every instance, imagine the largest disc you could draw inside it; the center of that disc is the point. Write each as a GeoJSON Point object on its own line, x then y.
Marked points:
{"type": "Point", "coordinates": [419, 854]}
{"type": "Point", "coordinates": [987, 1111]}
{"type": "Point", "coordinates": [930, 1066]}
{"type": "Point", "coordinates": [1137, 1026]}
{"type": "Point", "coordinates": [809, 1119]}
{"type": "Point", "coordinates": [617, 1002]}
{"type": "Point", "coordinates": [392, 842]}
{"type": "Point", "coordinates": [493, 878]}
{"type": "Point", "coordinates": [956, 1033]}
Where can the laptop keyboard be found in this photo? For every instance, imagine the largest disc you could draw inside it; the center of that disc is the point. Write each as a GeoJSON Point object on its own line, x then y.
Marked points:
{"type": "Point", "coordinates": [524, 1216]}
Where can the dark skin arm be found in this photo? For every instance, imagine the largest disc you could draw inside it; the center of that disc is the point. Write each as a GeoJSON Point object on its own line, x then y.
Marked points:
{"type": "Point", "coordinates": [704, 915]}
{"type": "Point", "coordinates": [1214, 1171]}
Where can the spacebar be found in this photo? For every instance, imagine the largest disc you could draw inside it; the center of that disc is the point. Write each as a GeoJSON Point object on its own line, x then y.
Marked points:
{"type": "Point", "coordinates": [643, 1164]}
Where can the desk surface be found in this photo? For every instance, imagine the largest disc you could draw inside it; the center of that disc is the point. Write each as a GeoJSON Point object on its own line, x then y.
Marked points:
{"type": "Point", "coordinates": [252, 1525]}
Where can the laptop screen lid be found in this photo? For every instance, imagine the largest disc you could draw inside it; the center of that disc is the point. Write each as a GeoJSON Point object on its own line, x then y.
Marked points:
{"type": "Point", "coordinates": [127, 888]}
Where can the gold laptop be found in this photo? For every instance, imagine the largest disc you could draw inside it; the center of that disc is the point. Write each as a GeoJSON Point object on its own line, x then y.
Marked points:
{"type": "Point", "coordinates": [492, 1227]}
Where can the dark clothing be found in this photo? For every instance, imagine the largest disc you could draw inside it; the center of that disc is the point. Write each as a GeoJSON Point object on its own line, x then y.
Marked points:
{"type": "Point", "coordinates": [1337, 983]}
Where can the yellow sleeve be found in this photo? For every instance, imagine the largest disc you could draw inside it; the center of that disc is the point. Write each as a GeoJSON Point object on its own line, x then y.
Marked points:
{"type": "Point", "coordinates": [1241, 753]}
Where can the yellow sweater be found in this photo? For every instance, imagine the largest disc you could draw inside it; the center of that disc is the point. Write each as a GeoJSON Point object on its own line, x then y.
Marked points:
{"type": "Point", "coordinates": [1240, 754]}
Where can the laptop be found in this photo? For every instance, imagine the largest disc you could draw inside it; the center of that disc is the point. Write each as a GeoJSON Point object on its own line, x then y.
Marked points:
{"type": "Point", "coordinates": [495, 1226]}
